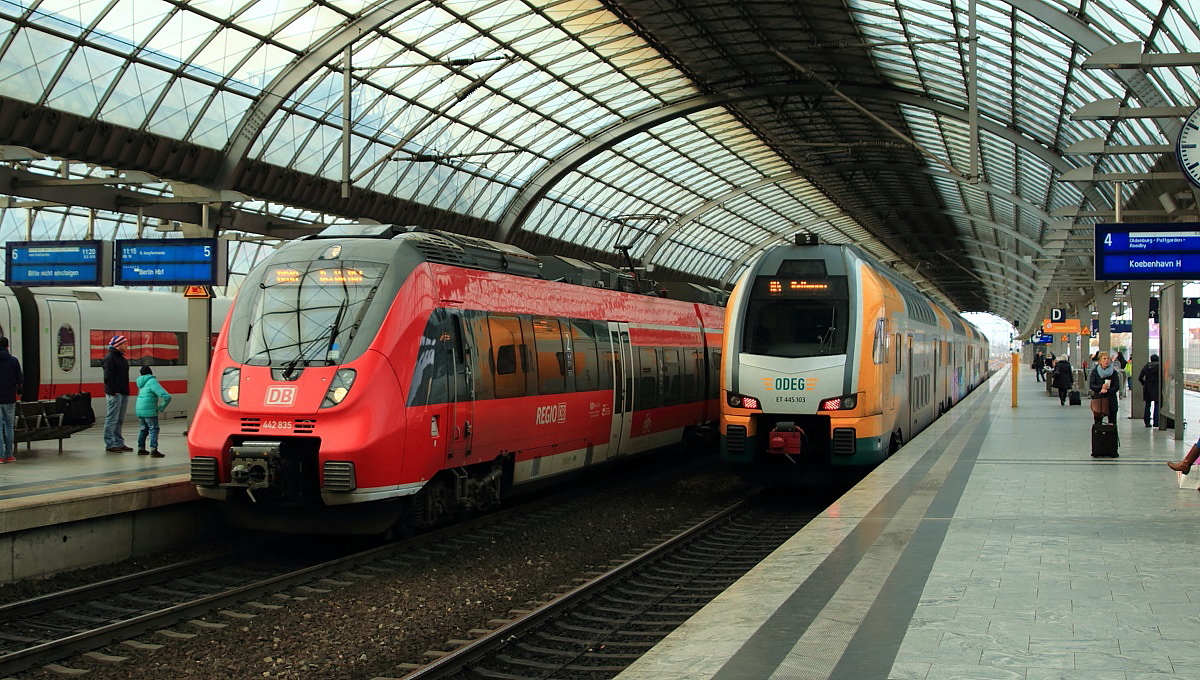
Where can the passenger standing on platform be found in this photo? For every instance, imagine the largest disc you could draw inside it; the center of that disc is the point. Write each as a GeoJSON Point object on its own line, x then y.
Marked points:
{"type": "Point", "coordinates": [1063, 379]}
{"type": "Point", "coordinates": [1103, 383]}
{"type": "Point", "coordinates": [152, 399]}
{"type": "Point", "coordinates": [1038, 365]}
{"type": "Point", "coordinates": [116, 389]}
{"type": "Point", "coordinates": [10, 386]}
{"type": "Point", "coordinates": [1149, 377]}
{"type": "Point", "coordinates": [1127, 382]}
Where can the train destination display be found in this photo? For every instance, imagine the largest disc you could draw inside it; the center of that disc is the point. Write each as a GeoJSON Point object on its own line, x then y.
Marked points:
{"type": "Point", "coordinates": [1148, 252]}
{"type": "Point", "coordinates": [58, 263]}
{"type": "Point", "coordinates": [171, 262]}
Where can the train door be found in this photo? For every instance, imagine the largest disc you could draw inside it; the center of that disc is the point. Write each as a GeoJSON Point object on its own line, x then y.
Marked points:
{"type": "Point", "coordinates": [69, 350]}
{"type": "Point", "coordinates": [622, 368]}
{"type": "Point", "coordinates": [10, 325]}
{"type": "Point", "coordinates": [910, 380]}
{"type": "Point", "coordinates": [937, 372]}
{"type": "Point", "coordinates": [461, 347]}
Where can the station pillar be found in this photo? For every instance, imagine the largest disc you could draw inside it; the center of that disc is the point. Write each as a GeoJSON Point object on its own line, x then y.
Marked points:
{"type": "Point", "coordinates": [1139, 345]}
{"type": "Point", "coordinates": [1104, 300]}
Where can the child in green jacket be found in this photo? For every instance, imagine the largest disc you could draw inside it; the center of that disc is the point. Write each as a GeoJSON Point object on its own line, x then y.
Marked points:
{"type": "Point", "coordinates": [152, 400]}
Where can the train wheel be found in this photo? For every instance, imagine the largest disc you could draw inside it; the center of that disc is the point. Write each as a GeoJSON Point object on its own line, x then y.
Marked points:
{"type": "Point", "coordinates": [896, 442]}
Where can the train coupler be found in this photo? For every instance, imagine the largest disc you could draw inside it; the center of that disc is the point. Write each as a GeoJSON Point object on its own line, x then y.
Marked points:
{"type": "Point", "coordinates": [255, 465]}
{"type": "Point", "coordinates": [785, 439]}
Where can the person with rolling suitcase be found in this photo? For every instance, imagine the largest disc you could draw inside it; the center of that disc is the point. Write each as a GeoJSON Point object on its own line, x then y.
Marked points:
{"type": "Point", "coordinates": [1104, 380]}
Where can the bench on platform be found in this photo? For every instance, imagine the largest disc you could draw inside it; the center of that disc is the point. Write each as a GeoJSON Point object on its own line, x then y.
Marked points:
{"type": "Point", "coordinates": [41, 421]}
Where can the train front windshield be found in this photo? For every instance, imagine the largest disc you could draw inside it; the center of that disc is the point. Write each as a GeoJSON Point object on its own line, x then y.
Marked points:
{"type": "Point", "coordinates": [307, 313]}
{"type": "Point", "coordinates": [795, 318]}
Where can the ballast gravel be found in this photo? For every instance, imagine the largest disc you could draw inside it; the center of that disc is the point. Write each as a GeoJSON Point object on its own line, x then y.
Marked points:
{"type": "Point", "coordinates": [366, 630]}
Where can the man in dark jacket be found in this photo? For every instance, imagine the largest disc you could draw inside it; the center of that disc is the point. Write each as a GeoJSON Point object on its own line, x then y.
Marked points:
{"type": "Point", "coordinates": [116, 389]}
{"type": "Point", "coordinates": [1149, 378]}
{"type": "Point", "coordinates": [10, 386]}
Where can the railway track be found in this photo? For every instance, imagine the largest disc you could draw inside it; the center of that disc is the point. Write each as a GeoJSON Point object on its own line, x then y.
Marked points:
{"type": "Point", "coordinates": [44, 629]}
{"type": "Point", "coordinates": [234, 587]}
{"type": "Point", "coordinates": [596, 630]}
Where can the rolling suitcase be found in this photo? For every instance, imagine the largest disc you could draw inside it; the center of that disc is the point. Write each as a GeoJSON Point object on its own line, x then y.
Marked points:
{"type": "Point", "coordinates": [1104, 440]}
{"type": "Point", "coordinates": [1074, 398]}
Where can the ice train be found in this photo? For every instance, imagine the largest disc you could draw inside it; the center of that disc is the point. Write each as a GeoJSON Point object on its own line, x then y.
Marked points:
{"type": "Point", "coordinates": [61, 336]}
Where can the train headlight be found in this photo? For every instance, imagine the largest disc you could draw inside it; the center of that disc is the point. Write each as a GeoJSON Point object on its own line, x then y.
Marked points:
{"type": "Point", "coordinates": [339, 387]}
{"type": "Point", "coordinates": [230, 381]}
{"type": "Point", "coordinates": [846, 402]}
{"type": "Point", "coordinates": [739, 401]}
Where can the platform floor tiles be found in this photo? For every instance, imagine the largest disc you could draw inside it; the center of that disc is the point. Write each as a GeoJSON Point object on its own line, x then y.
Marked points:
{"type": "Point", "coordinates": [991, 546]}
{"type": "Point", "coordinates": [40, 469]}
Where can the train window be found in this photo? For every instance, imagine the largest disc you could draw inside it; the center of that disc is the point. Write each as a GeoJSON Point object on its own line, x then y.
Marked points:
{"type": "Point", "coordinates": [714, 374]}
{"type": "Point", "coordinates": [645, 393]}
{"type": "Point", "coordinates": [899, 353]}
{"type": "Point", "coordinates": [796, 328]}
{"type": "Point", "coordinates": [65, 352]}
{"type": "Point", "coordinates": [435, 363]}
{"type": "Point", "coordinates": [508, 355]}
{"type": "Point", "coordinates": [552, 361]}
{"type": "Point", "coordinates": [145, 348]}
{"type": "Point", "coordinates": [672, 382]}
{"type": "Point", "coordinates": [692, 375]}
{"type": "Point", "coordinates": [879, 351]}
{"type": "Point", "coordinates": [480, 358]}
{"type": "Point", "coordinates": [583, 347]}
{"type": "Point", "coordinates": [308, 312]}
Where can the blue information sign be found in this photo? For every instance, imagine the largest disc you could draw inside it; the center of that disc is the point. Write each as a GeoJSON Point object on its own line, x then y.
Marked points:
{"type": "Point", "coordinates": [171, 262]}
{"type": "Point", "coordinates": [1148, 252]}
{"type": "Point", "coordinates": [58, 263]}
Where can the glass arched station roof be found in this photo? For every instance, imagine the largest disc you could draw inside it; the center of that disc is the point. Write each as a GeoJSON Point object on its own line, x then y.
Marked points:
{"type": "Point", "coordinates": [952, 140]}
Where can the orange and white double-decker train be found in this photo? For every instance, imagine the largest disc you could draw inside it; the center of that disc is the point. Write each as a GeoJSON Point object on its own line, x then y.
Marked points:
{"type": "Point", "coordinates": [832, 361]}
{"type": "Point", "coordinates": [398, 376]}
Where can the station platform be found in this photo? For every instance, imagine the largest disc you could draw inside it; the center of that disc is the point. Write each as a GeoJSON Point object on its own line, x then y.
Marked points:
{"type": "Point", "coordinates": [85, 506]}
{"type": "Point", "coordinates": [992, 545]}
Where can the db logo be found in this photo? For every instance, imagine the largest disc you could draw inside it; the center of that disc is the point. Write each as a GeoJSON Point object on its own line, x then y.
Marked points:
{"type": "Point", "coordinates": [280, 395]}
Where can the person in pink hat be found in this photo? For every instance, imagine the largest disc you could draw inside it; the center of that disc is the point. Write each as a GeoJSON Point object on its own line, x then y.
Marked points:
{"type": "Point", "coordinates": [116, 389]}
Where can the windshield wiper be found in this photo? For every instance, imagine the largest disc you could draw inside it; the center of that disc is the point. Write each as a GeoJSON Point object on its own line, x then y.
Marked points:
{"type": "Point", "coordinates": [827, 338]}
{"type": "Point", "coordinates": [328, 338]}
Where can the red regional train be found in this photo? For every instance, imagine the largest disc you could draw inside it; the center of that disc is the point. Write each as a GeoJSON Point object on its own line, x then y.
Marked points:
{"type": "Point", "coordinates": [380, 378]}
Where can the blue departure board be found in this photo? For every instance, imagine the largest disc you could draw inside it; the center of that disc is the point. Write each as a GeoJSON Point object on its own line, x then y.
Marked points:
{"type": "Point", "coordinates": [58, 263]}
{"type": "Point", "coordinates": [171, 262]}
{"type": "Point", "coordinates": [1148, 252]}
